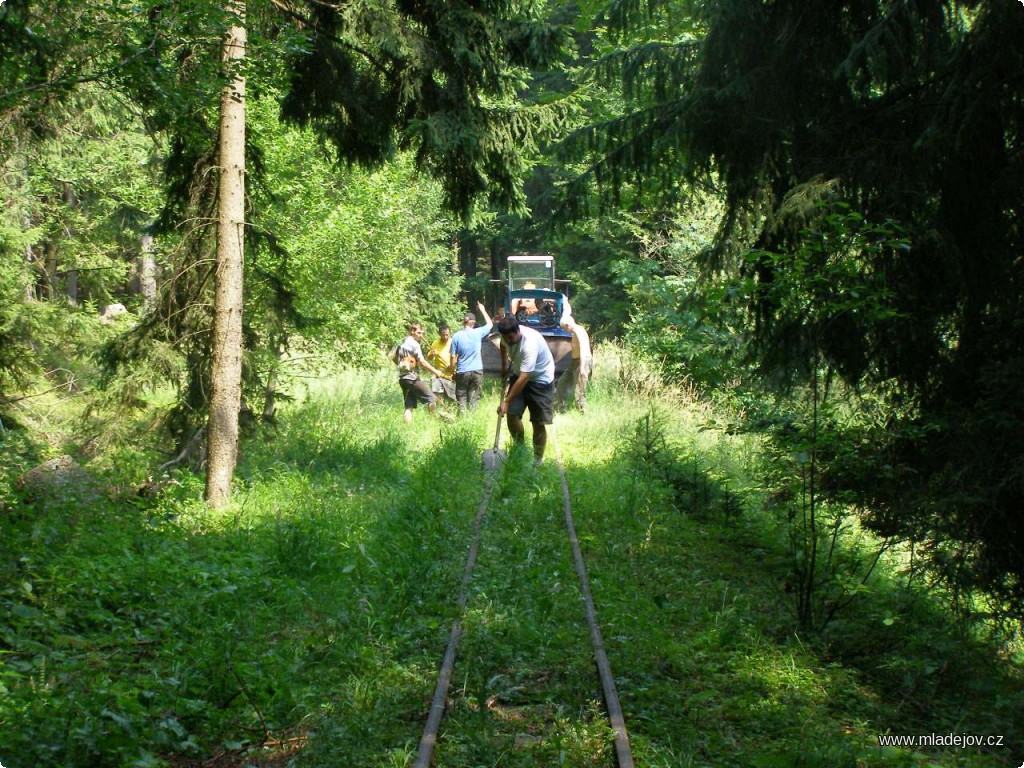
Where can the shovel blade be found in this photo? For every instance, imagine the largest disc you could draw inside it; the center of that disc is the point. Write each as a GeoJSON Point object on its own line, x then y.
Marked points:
{"type": "Point", "coordinates": [493, 458]}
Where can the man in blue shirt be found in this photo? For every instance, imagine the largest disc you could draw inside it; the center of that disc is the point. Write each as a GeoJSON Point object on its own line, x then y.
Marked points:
{"type": "Point", "coordinates": [468, 361]}
{"type": "Point", "coordinates": [531, 385]}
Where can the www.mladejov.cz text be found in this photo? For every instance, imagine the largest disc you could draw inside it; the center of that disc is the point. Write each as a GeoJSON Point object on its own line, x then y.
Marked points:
{"type": "Point", "coordinates": [940, 740]}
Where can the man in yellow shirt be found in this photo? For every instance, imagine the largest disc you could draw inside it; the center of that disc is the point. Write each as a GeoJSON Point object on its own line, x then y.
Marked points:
{"type": "Point", "coordinates": [440, 356]}
{"type": "Point", "coordinates": [578, 373]}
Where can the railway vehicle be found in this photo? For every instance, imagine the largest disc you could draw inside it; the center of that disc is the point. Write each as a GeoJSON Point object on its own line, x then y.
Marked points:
{"type": "Point", "coordinates": [530, 293]}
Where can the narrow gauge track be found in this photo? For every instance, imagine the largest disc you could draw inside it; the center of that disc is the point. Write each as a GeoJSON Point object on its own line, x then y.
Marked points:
{"type": "Point", "coordinates": [613, 709]}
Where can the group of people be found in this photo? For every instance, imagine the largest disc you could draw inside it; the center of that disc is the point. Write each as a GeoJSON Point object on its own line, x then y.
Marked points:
{"type": "Point", "coordinates": [456, 362]}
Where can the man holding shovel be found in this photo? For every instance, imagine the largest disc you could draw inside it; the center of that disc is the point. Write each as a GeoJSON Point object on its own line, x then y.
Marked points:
{"type": "Point", "coordinates": [531, 385]}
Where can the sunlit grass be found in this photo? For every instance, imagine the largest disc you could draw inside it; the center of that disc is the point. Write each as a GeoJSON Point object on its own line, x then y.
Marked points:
{"type": "Point", "coordinates": [304, 624]}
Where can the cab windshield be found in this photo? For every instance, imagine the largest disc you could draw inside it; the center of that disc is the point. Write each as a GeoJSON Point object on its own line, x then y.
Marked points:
{"type": "Point", "coordinates": [529, 275]}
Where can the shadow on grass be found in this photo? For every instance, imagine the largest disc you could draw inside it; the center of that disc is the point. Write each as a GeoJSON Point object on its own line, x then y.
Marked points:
{"type": "Point", "coordinates": [310, 617]}
{"type": "Point", "coordinates": [312, 611]}
{"type": "Point", "coordinates": [691, 587]}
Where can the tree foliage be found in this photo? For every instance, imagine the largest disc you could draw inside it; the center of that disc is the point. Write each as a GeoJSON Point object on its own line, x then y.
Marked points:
{"type": "Point", "coordinates": [910, 114]}
{"type": "Point", "coordinates": [438, 77]}
{"type": "Point", "coordinates": [362, 252]}
{"type": "Point", "coordinates": [373, 80]}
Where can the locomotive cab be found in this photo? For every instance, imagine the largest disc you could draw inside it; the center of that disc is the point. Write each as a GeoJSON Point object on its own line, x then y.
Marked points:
{"type": "Point", "coordinates": [532, 297]}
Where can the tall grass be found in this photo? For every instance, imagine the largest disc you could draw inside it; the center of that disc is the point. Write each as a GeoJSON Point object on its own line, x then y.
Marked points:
{"type": "Point", "coordinates": [304, 624]}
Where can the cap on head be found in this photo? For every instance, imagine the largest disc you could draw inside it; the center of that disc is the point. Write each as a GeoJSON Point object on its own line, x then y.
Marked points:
{"type": "Point", "coordinates": [567, 322]}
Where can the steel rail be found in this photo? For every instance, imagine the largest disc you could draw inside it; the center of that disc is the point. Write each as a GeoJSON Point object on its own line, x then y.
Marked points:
{"type": "Point", "coordinates": [604, 669]}
{"type": "Point", "coordinates": [428, 740]}
{"type": "Point", "coordinates": [444, 677]}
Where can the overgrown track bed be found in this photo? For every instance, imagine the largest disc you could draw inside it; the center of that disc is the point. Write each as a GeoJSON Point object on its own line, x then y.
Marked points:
{"type": "Point", "coordinates": [440, 700]}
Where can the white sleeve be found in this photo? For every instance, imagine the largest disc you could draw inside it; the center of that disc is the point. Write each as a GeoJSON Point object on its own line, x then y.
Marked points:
{"type": "Point", "coordinates": [528, 361]}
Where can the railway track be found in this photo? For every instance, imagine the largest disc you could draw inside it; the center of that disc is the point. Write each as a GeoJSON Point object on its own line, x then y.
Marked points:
{"type": "Point", "coordinates": [613, 709]}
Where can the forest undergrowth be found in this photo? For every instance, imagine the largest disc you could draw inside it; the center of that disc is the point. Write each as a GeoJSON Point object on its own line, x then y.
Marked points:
{"type": "Point", "coordinates": [304, 625]}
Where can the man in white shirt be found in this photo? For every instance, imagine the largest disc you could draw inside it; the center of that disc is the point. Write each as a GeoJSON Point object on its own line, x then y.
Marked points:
{"type": "Point", "coordinates": [408, 356]}
{"type": "Point", "coordinates": [531, 385]}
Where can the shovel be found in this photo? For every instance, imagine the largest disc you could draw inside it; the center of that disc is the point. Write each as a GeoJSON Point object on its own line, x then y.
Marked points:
{"type": "Point", "coordinates": [494, 457]}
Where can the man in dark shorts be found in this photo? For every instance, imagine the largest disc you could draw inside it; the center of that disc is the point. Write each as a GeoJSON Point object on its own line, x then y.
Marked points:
{"type": "Point", "coordinates": [409, 357]}
{"type": "Point", "coordinates": [531, 384]}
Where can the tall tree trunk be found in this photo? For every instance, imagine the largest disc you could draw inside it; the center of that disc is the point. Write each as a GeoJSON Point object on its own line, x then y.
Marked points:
{"type": "Point", "coordinates": [147, 274]}
{"type": "Point", "coordinates": [226, 374]}
{"type": "Point", "coordinates": [71, 283]}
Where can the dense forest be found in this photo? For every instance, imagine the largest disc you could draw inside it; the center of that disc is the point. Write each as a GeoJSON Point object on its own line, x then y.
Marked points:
{"type": "Point", "coordinates": [805, 217]}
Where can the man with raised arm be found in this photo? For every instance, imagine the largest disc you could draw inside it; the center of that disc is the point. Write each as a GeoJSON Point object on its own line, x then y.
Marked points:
{"type": "Point", "coordinates": [467, 359]}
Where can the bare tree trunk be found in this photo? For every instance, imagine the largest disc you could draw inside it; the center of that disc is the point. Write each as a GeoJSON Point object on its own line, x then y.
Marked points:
{"type": "Point", "coordinates": [50, 271]}
{"type": "Point", "coordinates": [71, 285]}
{"type": "Point", "coordinates": [30, 260]}
{"type": "Point", "coordinates": [270, 390]}
{"type": "Point", "coordinates": [147, 274]}
{"type": "Point", "coordinates": [226, 374]}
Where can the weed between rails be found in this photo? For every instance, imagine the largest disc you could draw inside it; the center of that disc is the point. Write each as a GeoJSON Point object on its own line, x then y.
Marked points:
{"type": "Point", "coordinates": [305, 624]}
{"type": "Point", "coordinates": [526, 690]}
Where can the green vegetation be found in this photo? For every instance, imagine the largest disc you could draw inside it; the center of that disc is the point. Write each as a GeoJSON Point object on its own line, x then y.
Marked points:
{"type": "Point", "coordinates": [304, 625]}
{"type": "Point", "coordinates": [794, 233]}
{"type": "Point", "coordinates": [809, 215]}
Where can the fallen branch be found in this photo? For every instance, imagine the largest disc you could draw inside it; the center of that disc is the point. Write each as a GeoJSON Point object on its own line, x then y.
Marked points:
{"type": "Point", "coordinates": [186, 451]}
{"type": "Point", "coordinates": [250, 699]}
{"type": "Point", "coordinates": [66, 385]}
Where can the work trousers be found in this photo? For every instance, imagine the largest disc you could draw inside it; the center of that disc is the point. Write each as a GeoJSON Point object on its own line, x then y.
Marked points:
{"type": "Point", "coordinates": [573, 380]}
{"type": "Point", "coordinates": [468, 388]}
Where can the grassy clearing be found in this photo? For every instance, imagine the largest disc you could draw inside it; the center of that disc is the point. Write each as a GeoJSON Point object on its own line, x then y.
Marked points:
{"type": "Point", "coordinates": [304, 625]}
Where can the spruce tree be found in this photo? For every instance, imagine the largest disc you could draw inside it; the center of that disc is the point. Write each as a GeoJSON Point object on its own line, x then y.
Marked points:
{"type": "Point", "coordinates": [909, 117]}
